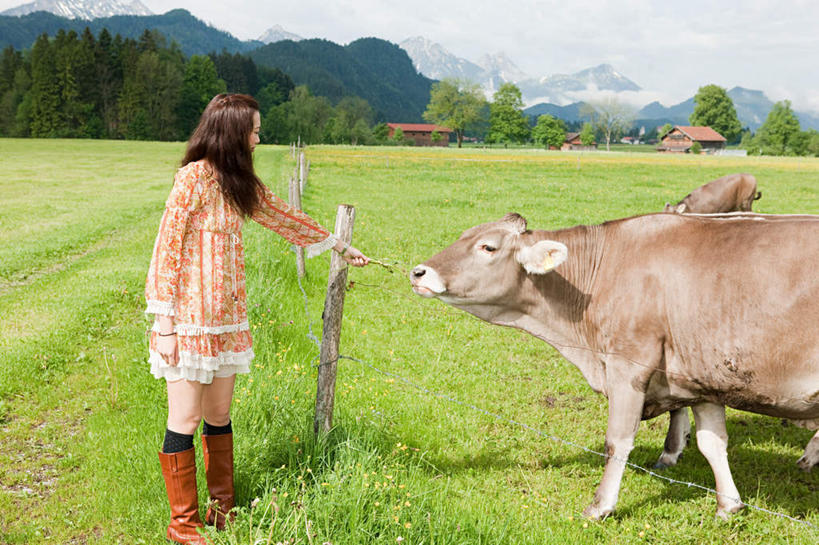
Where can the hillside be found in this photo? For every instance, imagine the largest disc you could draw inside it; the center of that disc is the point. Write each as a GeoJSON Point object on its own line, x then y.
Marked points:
{"type": "Point", "coordinates": [374, 69]}
{"type": "Point", "coordinates": [193, 36]}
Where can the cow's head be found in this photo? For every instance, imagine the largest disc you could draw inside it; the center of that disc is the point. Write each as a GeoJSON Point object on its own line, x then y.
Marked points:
{"type": "Point", "coordinates": [486, 263]}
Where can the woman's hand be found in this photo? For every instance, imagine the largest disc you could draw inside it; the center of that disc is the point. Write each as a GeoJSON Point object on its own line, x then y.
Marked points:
{"type": "Point", "coordinates": [166, 346]}
{"type": "Point", "coordinates": [354, 257]}
{"type": "Point", "coordinates": [166, 341]}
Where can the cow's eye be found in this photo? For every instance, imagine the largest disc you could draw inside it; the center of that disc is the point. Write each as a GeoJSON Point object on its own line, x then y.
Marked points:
{"type": "Point", "coordinates": [488, 248]}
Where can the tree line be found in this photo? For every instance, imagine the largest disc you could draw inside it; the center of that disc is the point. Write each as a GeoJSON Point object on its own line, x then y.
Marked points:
{"type": "Point", "coordinates": [84, 86]}
{"type": "Point", "coordinates": [461, 106]}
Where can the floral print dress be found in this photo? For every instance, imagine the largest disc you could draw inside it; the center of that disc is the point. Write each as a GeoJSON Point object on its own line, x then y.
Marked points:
{"type": "Point", "coordinates": [197, 274]}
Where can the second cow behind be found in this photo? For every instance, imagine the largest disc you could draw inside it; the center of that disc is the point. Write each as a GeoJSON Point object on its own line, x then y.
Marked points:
{"type": "Point", "coordinates": [731, 193]}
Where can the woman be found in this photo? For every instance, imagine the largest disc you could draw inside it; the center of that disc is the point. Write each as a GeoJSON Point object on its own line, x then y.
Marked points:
{"type": "Point", "coordinates": [195, 288]}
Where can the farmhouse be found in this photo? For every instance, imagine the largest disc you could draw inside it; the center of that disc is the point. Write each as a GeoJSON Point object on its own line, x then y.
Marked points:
{"type": "Point", "coordinates": [680, 139]}
{"type": "Point", "coordinates": [572, 142]}
{"type": "Point", "coordinates": [422, 133]}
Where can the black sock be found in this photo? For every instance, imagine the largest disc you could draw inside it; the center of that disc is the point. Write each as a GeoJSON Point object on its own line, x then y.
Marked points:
{"type": "Point", "coordinates": [208, 429]}
{"type": "Point", "coordinates": [176, 442]}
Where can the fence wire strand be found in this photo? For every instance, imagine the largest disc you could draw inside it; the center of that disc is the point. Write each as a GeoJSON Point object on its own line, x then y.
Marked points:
{"type": "Point", "coordinates": [446, 397]}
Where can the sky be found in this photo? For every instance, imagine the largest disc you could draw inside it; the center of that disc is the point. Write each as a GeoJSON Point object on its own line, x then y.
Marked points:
{"type": "Point", "coordinates": [670, 49]}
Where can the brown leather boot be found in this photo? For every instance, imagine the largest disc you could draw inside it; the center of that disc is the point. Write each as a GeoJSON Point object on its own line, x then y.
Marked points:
{"type": "Point", "coordinates": [218, 452]}
{"type": "Point", "coordinates": [179, 471]}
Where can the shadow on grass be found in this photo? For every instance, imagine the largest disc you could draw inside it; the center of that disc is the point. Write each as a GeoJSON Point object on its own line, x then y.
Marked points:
{"type": "Point", "coordinates": [764, 474]}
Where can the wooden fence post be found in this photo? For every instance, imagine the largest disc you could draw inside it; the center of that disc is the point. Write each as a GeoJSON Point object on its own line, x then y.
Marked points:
{"type": "Point", "coordinates": [294, 196]}
{"type": "Point", "coordinates": [302, 172]}
{"type": "Point", "coordinates": [333, 310]}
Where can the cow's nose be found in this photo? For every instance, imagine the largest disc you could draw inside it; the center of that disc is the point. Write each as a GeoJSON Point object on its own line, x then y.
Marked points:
{"type": "Point", "coordinates": [419, 271]}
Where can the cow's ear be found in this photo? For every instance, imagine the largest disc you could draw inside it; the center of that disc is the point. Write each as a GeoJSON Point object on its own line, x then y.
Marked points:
{"type": "Point", "coordinates": [681, 208]}
{"type": "Point", "coordinates": [543, 256]}
{"type": "Point", "coordinates": [668, 207]}
{"type": "Point", "coordinates": [517, 221]}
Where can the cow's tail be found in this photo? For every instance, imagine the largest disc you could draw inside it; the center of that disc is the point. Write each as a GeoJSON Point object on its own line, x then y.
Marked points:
{"type": "Point", "coordinates": [758, 195]}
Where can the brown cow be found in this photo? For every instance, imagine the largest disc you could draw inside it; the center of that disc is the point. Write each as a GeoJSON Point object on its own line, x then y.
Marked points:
{"type": "Point", "coordinates": [658, 312]}
{"type": "Point", "coordinates": [731, 193]}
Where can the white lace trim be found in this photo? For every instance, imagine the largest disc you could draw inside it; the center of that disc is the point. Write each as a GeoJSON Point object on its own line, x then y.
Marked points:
{"type": "Point", "coordinates": [320, 247]}
{"type": "Point", "coordinates": [159, 307]}
{"type": "Point", "coordinates": [200, 368]}
{"type": "Point", "coordinates": [193, 329]}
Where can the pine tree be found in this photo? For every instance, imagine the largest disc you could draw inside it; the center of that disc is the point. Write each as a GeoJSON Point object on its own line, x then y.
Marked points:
{"type": "Point", "coordinates": [109, 82]}
{"type": "Point", "coordinates": [46, 119]}
{"type": "Point", "coordinates": [12, 67]}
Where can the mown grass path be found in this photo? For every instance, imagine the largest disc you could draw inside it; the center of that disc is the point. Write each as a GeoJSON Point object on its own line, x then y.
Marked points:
{"type": "Point", "coordinates": [81, 418]}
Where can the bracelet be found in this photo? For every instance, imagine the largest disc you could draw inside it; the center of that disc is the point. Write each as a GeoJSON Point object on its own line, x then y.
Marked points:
{"type": "Point", "coordinates": [344, 251]}
{"type": "Point", "coordinates": [167, 334]}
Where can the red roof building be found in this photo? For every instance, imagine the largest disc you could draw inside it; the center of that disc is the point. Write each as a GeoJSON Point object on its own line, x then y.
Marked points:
{"type": "Point", "coordinates": [680, 139]}
{"type": "Point", "coordinates": [573, 143]}
{"type": "Point", "coordinates": [421, 133]}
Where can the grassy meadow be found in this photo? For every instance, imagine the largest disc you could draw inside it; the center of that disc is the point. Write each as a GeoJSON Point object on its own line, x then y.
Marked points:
{"type": "Point", "coordinates": [433, 441]}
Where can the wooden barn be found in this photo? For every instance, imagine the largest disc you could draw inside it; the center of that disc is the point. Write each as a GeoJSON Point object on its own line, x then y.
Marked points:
{"type": "Point", "coordinates": [680, 139]}
{"type": "Point", "coordinates": [573, 143]}
{"type": "Point", "coordinates": [421, 133]}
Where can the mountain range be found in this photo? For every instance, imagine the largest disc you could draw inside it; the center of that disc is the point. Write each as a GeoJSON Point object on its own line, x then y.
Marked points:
{"type": "Point", "coordinates": [82, 9]}
{"type": "Point", "coordinates": [560, 95]}
{"type": "Point", "coordinates": [395, 79]}
{"type": "Point", "coordinates": [193, 35]}
{"type": "Point", "coordinates": [491, 71]}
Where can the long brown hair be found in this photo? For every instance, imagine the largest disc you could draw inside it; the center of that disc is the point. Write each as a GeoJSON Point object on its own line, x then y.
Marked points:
{"type": "Point", "coordinates": [223, 138]}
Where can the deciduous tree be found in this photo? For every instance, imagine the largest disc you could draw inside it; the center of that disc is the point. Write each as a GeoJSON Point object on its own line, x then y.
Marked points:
{"type": "Point", "coordinates": [349, 113]}
{"type": "Point", "coordinates": [779, 135]}
{"type": "Point", "coordinates": [715, 109]}
{"type": "Point", "coordinates": [610, 116]}
{"type": "Point", "coordinates": [587, 134]}
{"type": "Point", "coordinates": [507, 122]}
{"type": "Point", "coordinates": [307, 115]}
{"type": "Point", "coordinates": [549, 131]}
{"type": "Point", "coordinates": [455, 104]}
{"type": "Point", "coordinates": [199, 86]}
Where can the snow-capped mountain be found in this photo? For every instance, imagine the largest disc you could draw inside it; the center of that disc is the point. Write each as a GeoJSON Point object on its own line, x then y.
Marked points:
{"type": "Point", "coordinates": [497, 70]}
{"type": "Point", "coordinates": [434, 61]}
{"type": "Point", "coordinates": [277, 33]}
{"type": "Point", "coordinates": [82, 9]}
{"type": "Point", "coordinates": [567, 88]}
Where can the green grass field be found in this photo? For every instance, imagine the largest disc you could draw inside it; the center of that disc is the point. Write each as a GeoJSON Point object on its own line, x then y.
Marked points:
{"type": "Point", "coordinates": [81, 418]}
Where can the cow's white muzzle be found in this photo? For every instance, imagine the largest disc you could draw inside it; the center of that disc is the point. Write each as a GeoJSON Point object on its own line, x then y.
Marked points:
{"type": "Point", "coordinates": [426, 282]}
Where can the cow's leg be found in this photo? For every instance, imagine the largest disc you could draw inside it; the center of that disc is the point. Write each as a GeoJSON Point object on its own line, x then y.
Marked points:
{"type": "Point", "coordinates": [679, 430]}
{"type": "Point", "coordinates": [625, 408]}
{"type": "Point", "coordinates": [712, 440]}
{"type": "Point", "coordinates": [811, 456]}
